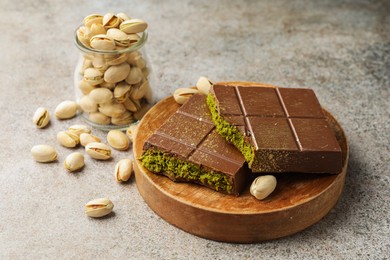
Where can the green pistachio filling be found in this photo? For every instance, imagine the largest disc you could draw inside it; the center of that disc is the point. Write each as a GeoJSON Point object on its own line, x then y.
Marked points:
{"type": "Point", "coordinates": [230, 132]}
{"type": "Point", "coordinates": [159, 162]}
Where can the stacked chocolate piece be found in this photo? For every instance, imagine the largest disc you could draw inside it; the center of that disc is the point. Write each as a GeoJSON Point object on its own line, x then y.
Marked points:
{"type": "Point", "coordinates": [208, 140]}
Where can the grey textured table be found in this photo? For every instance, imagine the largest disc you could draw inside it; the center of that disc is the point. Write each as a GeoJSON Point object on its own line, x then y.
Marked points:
{"type": "Point", "coordinates": [341, 49]}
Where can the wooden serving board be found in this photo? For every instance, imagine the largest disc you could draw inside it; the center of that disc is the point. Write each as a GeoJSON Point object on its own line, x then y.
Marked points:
{"type": "Point", "coordinates": [299, 200]}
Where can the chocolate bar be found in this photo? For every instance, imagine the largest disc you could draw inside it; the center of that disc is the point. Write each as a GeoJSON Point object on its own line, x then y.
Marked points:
{"type": "Point", "coordinates": [276, 129]}
{"type": "Point", "coordinates": [187, 148]}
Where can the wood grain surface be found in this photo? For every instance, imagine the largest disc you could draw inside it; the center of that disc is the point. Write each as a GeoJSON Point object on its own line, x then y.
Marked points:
{"type": "Point", "coordinates": [299, 201]}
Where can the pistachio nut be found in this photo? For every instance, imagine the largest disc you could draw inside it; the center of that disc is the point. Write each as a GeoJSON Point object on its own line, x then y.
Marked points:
{"type": "Point", "coordinates": [87, 63]}
{"type": "Point", "coordinates": [99, 63]}
{"type": "Point", "coordinates": [146, 72]}
{"type": "Point", "coordinates": [110, 20]}
{"type": "Point", "coordinates": [149, 97]}
{"type": "Point", "coordinates": [118, 140]}
{"type": "Point", "coordinates": [79, 129]}
{"type": "Point", "coordinates": [138, 93]}
{"type": "Point", "coordinates": [102, 42]}
{"type": "Point", "coordinates": [130, 105]}
{"type": "Point", "coordinates": [132, 56]}
{"type": "Point", "coordinates": [181, 95]}
{"type": "Point", "coordinates": [99, 118]}
{"type": "Point", "coordinates": [41, 117]}
{"type": "Point", "coordinates": [135, 76]}
{"type": "Point", "coordinates": [101, 95]}
{"type": "Point", "coordinates": [44, 153]}
{"type": "Point", "coordinates": [93, 19]}
{"type": "Point", "coordinates": [132, 131]}
{"type": "Point", "coordinates": [86, 138]}
{"type": "Point", "coordinates": [133, 38]}
{"type": "Point", "coordinates": [107, 85]}
{"type": "Point", "coordinates": [123, 170]}
{"type": "Point", "coordinates": [112, 110]}
{"type": "Point", "coordinates": [137, 61]}
{"type": "Point", "coordinates": [66, 109]}
{"type": "Point", "coordinates": [83, 35]}
{"type": "Point", "coordinates": [133, 26]}
{"type": "Point", "coordinates": [93, 76]}
{"type": "Point", "coordinates": [121, 92]}
{"type": "Point", "coordinates": [85, 87]}
{"type": "Point", "coordinates": [116, 59]}
{"type": "Point", "coordinates": [142, 111]}
{"type": "Point", "coordinates": [117, 73]}
{"type": "Point", "coordinates": [125, 119]}
{"type": "Point", "coordinates": [263, 186]}
{"type": "Point", "coordinates": [87, 104]}
{"type": "Point", "coordinates": [123, 16]}
{"type": "Point", "coordinates": [98, 151]}
{"type": "Point", "coordinates": [120, 38]}
{"type": "Point", "coordinates": [204, 85]}
{"type": "Point", "coordinates": [96, 29]}
{"type": "Point", "coordinates": [98, 207]}
{"type": "Point", "coordinates": [68, 139]}
{"type": "Point", "coordinates": [74, 162]}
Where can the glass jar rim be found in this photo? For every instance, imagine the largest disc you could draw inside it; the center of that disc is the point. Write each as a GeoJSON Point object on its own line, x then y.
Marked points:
{"type": "Point", "coordinates": [133, 47]}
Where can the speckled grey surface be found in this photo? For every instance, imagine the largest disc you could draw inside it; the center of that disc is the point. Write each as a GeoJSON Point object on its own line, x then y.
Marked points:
{"type": "Point", "coordinates": [341, 49]}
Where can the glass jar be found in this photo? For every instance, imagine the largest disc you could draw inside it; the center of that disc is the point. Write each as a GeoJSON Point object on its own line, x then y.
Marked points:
{"type": "Point", "coordinates": [114, 87]}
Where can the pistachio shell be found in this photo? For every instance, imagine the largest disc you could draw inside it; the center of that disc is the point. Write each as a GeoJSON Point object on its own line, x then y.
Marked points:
{"type": "Point", "coordinates": [132, 131]}
{"type": "Point", "coordinates": [135, 76]}
{"type": "Point", "coordinates": [102, 42]}
{"type": "Point", "coordinates": [85, 87]}
{"type": "Point", "coordinates": [99, 63]}
{"type": "Point", "coordinates": [117, 73]}
{"type": "Point", "coordinates": [98, 208]}
{"type": "Point", "coordinates": [86, 138]}
{"type": "Point", "coordinates": [88, 105]}
{"type": "Point", "coordinates": [204, 85]}
{"type": "Point", "coordinates": [96, 29]}
{"type": "Point", "coordinates": [116, 60]}
{"type": "Point", "coordinates": [101, 95]}
{"type": "Point", "coordinates": [87, 63]}
{"type": "Point", "coordinates": [41, 117]}
{"type": "Point", "coordinates": [133, 26]}
{"type": "Point", "coordinates": [68, 139]}
{"type": "Point", "coordinates": [181, 95]}
{"type": "Point", "coordinates": [98, 151]}
{"type": "Point", "coordinates": [93, 19]}
{"type": "Point", "coordinates": [121, 92]}
{"type": "Point", "coordinates": [66, 109]}
{"type": "Point", "coordinates": [83, 35]}
{"type": "Point", "coordinates": [138, 93]}
{"type": "Point", "coordinates": [44, 153]}
{"type": "Point", "coordinates": [125, 119]}
{"type": "Point", "coordinates": [118, 140]}
{"type": "Point", "coordinates": [93, 76]}
{"type": "Point", "coordinates": [123, 16]}
{"type": "Point", "coordinates": [130, 105]}
{"type": "Point", "coordinates": [112, 110]}
{"type": "Point", "coordinates": [110, 20]}
{"type": "Point", "coordinates": [107, 85]}
{"type": "Point", "coordinates": [263, 186]}
{"type": "Point", "coordinates": [74, 162]}
{"type": "Point", "coordinates": [132, 56]}
{"type": "Point", "coordinates": [123, 170]}
{"type": "Point", "coordinates": [99, 118]}
{"type": "Point", "coordinates": [133, 38]}
{"type": "Point", "coordinates": [79, 129]}
{"type": "Point", "coordinates": [120, 38]}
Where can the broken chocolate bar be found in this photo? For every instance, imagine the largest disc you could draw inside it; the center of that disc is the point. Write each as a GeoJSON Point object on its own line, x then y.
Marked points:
{"type": "Point", "coordinates": [187, 148]}
{"type": "Point", "coordinates": [276, 129]}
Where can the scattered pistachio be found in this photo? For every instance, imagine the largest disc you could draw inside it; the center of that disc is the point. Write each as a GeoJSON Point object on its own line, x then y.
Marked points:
{"type": "Point", "coordinates": [204, 85]}
{"type": "Point", "coordinates": [66, 109]}
{"type": "Point", "coordinates": [181, 95]}
{"type": "Point", "coordinates": [74, 162]}
{"type": "Point", "coordinates": [118, 140]}
{"type": "Point", "coordinates": [263, 186]}
{"type": "Point", "coordinates": [123, 170]}
{"type": "Point", "coordinates": [98, 151]}
{"type": "Point", "coordinates": [68, 139]}
{"type": "Point", "coordinates": [41, 117]}
{"type": "Point", "coordinates": [44, 153]}
{"type": "Point", "coordinates": [88, 138]}
{"type": "Point", "coordinates": [132, 131]}
{"type": "Point", "coordinates": [79, 129]}
{"type": "Point", "coordinates": [98, 207]}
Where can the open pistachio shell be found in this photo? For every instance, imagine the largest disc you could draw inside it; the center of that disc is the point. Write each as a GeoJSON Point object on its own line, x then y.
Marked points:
{"type": "Point", "coordinates": [120, 38]}
{"type": "Point", "coordinates": [41, 117]}
{"type": "Point", "coordinates": [110, 20]}
{"type": "Point", "coordinates": [98, 151]}
{"type": "Point", "coordinates": [133, 26]}
{"type": "Point", "coordinates": [93, 19]}
{"type": "Point", "coordinates": [93, 76]}
{"type": "Point", "coordinates": [102, 42]}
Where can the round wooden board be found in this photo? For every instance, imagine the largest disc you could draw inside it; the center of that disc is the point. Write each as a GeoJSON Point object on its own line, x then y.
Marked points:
{"type": "Point", "coordinates": [299, 201]}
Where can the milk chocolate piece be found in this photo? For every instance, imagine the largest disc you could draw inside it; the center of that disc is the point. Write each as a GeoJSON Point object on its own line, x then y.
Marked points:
{"type": "Point", "coordinates": [277, 129]}
{"type": "Point", "coordinates": [187, 148]}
